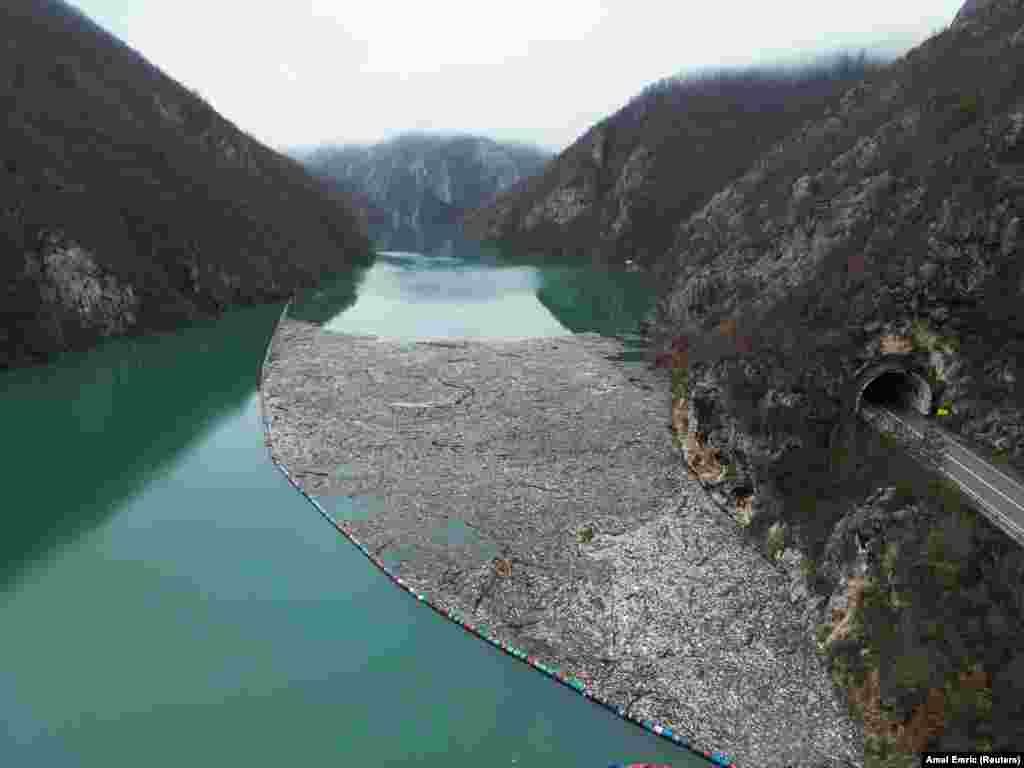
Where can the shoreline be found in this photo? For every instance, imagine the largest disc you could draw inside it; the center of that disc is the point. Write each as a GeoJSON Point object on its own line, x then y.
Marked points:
{"type": "Point", "coordinates": [610, 561]}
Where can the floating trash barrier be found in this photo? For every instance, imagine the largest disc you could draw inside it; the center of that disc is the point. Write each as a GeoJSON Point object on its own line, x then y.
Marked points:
{"type": "Point", "coordinates": [481, 630]}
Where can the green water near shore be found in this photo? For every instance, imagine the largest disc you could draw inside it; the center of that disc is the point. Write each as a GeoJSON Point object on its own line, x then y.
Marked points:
{"type": "Point", "coordinates": [407, 296]}
{"type": "Point", "coordinates": [168, 599]}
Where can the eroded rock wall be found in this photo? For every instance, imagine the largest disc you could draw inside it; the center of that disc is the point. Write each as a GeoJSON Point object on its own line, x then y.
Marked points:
{"type": "Point", "coordinates": [421, 185]}
{"type": "Point", "coordinates": [886, 229]}
{"type": "Point", "coordinates": [128, 204]}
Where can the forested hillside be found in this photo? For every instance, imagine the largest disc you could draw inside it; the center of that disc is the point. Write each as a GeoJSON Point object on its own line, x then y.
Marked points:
{"type": "Point", "coordinates": [886, 231]}
{"type": "Point", "coordinates": [127, 203]}
{"type": "Point", "coordinates": [621, 189]}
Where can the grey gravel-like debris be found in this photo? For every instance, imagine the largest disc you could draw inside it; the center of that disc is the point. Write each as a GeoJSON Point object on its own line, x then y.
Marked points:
{"type": "Point", "coordinates": [534, 486]}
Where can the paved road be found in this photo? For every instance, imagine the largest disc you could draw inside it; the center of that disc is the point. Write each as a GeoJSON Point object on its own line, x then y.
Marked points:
{"type": "Point", "coordinates": [999, 495]}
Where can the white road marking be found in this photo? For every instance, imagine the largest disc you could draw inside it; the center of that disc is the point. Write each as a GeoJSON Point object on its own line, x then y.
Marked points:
{"type": "Point", "coordinates": [1007, 523]}
{"type": "Point", "coordinates": [964, 487]}
{"type": "Point", "coordinates": [987, 484]}
{"type": "Point", "coordinates": [992, 468]}
{"type": "Point", "coordinates": [963, 448]}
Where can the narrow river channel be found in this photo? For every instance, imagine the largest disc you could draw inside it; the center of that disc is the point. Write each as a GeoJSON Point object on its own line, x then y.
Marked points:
{"type": "Point", "coordinates": [167, 598]}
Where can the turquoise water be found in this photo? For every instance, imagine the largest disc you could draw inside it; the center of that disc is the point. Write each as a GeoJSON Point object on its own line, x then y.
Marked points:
{"type": "Point", "coordinates": [406, 296]}
{"type": "Point", "coordinates": [167, 599]}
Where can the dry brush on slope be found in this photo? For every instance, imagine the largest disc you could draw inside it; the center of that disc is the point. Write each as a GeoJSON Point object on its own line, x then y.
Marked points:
{"type": "Point", "coordinates": [127, 203]}
{"type": "Point", "coordinates": [618, 192]}
{"type": "Point", "coordinates": [889, 226]}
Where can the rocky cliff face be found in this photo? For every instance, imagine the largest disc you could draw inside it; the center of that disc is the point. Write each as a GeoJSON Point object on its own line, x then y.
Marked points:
{"type": "Point", "coordinates": [418, 187]}
{"type": "Point", "coordinates": [619, 191]}
{"type": "Point", "coordinates": [127, 203]}
{"type": "Point", "coordinates": [886, 232]}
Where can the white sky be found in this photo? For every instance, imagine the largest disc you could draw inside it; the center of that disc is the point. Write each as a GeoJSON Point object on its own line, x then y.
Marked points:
{"type": "Point", "coordinates": [303, 72]}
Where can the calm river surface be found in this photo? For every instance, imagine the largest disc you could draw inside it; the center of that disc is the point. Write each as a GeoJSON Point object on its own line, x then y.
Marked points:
{"type": "Point", "coordinates": [167, 599]}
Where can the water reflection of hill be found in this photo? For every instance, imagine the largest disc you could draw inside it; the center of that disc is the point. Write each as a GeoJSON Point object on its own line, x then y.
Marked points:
{"type": "Point", "coordinates": [329, 299]}
{"type": "Point", "coordinates": [609, 302]}
{"type": "Point", "coordinates": [93, 429]}
{"type": "Point", "coordinates": [581, 296]}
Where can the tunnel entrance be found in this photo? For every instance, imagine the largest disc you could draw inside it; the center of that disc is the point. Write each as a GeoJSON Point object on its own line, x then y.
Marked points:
{"type": "Point", "coordinates": [898, 390]}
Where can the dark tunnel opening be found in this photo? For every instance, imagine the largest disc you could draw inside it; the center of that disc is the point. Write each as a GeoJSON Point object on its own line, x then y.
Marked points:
{"type": "Point", "coordinates": [898, 390]}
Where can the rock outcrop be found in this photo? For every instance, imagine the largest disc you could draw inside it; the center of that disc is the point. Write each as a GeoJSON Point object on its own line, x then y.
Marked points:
{"type": "Point", "coordinates": [887, 229]}
{"type": "Point", "coordinates": [128, 204]}
{"type": "Point", "coordinates": [418, 187]}
{"type": "Point", "coordinates": [618, 192]}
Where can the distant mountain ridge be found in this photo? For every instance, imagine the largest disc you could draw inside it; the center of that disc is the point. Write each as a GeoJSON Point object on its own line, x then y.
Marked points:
{"type": "Point", "coordinates": [417, 187]}
{"type": "Point", "coordinates": [621, 189]}
{"type": "Point", "coordinates": [128, 204]}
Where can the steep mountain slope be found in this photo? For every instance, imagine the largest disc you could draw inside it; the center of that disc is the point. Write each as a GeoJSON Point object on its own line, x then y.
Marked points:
{"type": "Point", "coordinates": [619, 191]}
{"type": "Point", "coordinates": [882, 236]}
{"type": "Point", "coordinates": [127, 203]}
{"type": "Point", "coordinates": [416, 188]}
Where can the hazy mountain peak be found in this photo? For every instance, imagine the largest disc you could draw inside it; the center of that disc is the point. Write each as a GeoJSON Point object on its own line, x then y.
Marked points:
{"type": "Point", "coordinates": [973, 9]}
{"type": "Point", "coordinates": [417, 186]}
{"type": "Point", "coordinates": [621, 189]}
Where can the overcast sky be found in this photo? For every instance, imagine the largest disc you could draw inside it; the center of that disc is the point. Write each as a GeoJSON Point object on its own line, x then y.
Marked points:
{"type": "Point", "coordinates": [304, 72]}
